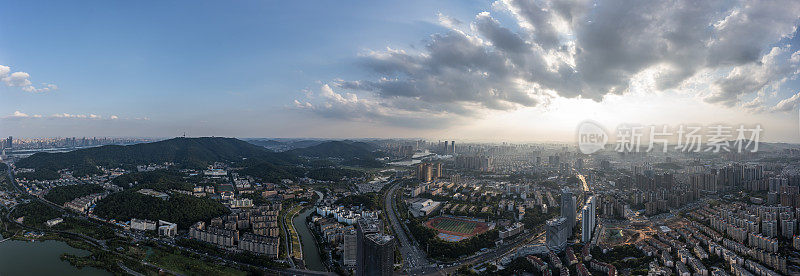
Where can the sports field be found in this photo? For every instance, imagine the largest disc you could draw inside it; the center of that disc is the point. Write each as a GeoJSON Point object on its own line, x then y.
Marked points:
{"type": "Point", "coordinates": [457, 226]}
{"type": "Point", "coordinates": [455, 229]}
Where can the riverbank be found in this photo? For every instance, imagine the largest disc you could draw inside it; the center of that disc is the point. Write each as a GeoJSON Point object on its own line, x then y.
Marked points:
{"type": "Point", "coordinates": [311, 254]}
{"type": "Point", "coordinates": [42, 257]}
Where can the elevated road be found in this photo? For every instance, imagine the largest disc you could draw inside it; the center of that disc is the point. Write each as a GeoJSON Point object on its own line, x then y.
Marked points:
{"type": "Point", "coordinates": [496, 253]}
{"type": "Point", "coordinates": [415, 261]}
{"type": "Point", "coordinates": [583, 181]}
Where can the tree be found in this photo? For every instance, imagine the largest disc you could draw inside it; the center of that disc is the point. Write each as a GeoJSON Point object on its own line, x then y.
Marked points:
{"type": "Point", "coordinates": [63, 194]}
{"type": "Point", "coordinates": [182, 209]}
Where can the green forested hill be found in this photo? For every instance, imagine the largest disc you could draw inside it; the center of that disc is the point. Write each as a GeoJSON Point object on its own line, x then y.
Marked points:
{"type": "Point", "coordinates": [336, 149]}
{"type": "Point", "coordinates": [184, 152]}
{"type": "Point", "coordinates": [161, 180]}
{"type": "Point", "coordinates": [181, 209]}
{"type": "Point", "coordinates": [63, 194]}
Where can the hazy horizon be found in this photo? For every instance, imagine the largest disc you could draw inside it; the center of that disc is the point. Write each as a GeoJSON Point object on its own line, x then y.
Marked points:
{"type": "Point", "coordinates": [484, 71]}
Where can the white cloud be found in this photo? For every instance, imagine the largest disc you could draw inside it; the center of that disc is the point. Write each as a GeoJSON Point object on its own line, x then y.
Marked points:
{"type": "Point", "coordinates": [17, 114]}
{"type": "Point", "coordinates": [579, 50]}
{"type": "Point", "coordinates": [23, 80]}
{"type": "Point", "coordinates": [788, 104]}
{"type": "Point", "coordinates": [448, 21]}
{"type": "Point", "coordinates": [348, 106]}
{"type": "Point", "coordinates": [46, 87]}
{"type": "Point", "coordinates": [772, 70]}
{"type": "Point", "coordinates": [91, 116]}
{"type": "Point", "coordinates": [18, 79]}
{"type": "Point", "coordinates": [77, 116]}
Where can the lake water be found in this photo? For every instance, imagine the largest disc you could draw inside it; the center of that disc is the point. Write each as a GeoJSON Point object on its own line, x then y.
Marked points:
{"type": "Point", "coordinates": [40, 258]}
{"type": "Point", "coordinates": [310, 251]}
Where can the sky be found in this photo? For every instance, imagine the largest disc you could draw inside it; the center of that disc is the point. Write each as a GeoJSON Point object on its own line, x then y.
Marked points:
{"type": "Point", "coordinates": [506, 70]}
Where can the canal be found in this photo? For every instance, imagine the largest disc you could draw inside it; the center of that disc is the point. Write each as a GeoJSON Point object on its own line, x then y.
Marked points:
{"type": "Point", "coordinates": [41, 258]}
{"type": "Point", "coordinates": [310, 250]}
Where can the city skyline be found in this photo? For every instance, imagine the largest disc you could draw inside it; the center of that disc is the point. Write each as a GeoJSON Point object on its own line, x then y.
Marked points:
{"type": "Point", "coordinates": [411, 138]}
{"type": "Point", "coordinates": [487, 71]}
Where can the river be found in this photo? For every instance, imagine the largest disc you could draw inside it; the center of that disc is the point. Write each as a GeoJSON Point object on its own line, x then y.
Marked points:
{"type": "Point", "coordinates": [41, 258]}
{"type": "Point", "coordinates": [310, 250]}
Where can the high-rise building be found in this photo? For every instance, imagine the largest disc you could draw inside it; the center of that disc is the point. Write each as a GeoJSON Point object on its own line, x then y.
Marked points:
{"type": "Point", "coordinates": [350, 248]}
{"type": "Point", "coordinates": [429, 171]}
{"type": "Point", "coordinates": [588, 220]}
{"type": "Point", "coordinates": [788, 228]}
{"type": "Point", "coordinates": [568, 208]}
{"type": "Point", "coordinates": [775, 183]}
{"type": "Point", "coordinates": [477, 162]}
{"type": "Point", "coordinates": [379, 259]}
{"type": "Point", "coordinates": [366, 226]}
{"type": "Point", "coordinates": [557, 232]}
{"type": "Point", "coordinates": [10, 142]}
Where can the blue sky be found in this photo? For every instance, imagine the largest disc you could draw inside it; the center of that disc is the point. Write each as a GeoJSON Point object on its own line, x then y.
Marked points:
{"type": "Point", "coordinates": [118, 58]}
{"type": "Point", "coordinates": [236, 68]}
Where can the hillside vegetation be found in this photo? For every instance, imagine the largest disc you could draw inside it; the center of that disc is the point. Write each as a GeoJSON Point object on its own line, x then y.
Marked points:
{"type": "Point", "coordinates": [64, 194]}
{"type": "Point", "coordinates": [184, 152]}
{"type": "Point", "coordinates": [162, 180]}
{"type": "Point", "coordinates": [181, 209]}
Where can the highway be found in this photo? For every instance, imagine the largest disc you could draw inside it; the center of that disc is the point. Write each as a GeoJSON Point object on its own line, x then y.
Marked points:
{"type": "Point", "coordinates": [415, 261]}
{"type": "Point", "coordinates": [583, 181]}
{"type": "Point", "coordinates": [496, 253]}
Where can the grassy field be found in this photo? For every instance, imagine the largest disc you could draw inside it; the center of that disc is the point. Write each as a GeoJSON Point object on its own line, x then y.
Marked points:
{"type": "Point", "coordinates": [456, 226]}
{"type": "Point", "coordinates": [181, 263]}
{"type": "Point", "coordinates": [297, 251]}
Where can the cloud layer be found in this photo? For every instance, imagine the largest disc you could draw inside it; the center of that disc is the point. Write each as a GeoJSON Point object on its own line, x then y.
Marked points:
{"type": "Point", "coordinates": [573, 49]}
{"type": "Point", "coordinates": [17, 115]}
{"type": "Point", "coordinates": [22, 80]}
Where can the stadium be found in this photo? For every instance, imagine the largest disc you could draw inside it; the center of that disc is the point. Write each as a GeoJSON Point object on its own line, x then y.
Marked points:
{"type": "Point", "coordinates": [457, 228]}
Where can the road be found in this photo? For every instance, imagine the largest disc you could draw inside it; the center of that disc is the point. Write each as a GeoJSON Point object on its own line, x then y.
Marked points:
{"type": "Point", "coordinates": [102, 245]}
{"type": "Point", "coordinates": [583, 180]}
{"type": "Point", "coordinates": [415, 261]}
{"type": "Point", "coordinates": [287, 239]}
{"type": "Point", "coordinates": [508, 247]}
{"type": "Point", "coordinates": [496, 253]}
{"type": "Point", "coordinates": [128, 270]}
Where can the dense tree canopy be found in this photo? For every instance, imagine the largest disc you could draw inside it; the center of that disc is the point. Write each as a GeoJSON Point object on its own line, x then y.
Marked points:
{"type": "Point", "coordinates": [35, 212]}
{"type": "Point", "coordinates": [181, 209]}
{"type": "Point", "coordinates": [185, 152]}
{"type": "Point", "coordinates": [333, 174]}
{"type": "Point", "coordinates": [39, 174]}
{"type": "Point", "coordinates": [336, 149]}
{"type": "Point", "coordinates": [370, 201]}
{"type": "Point", "coordinates": [446, 250]}
{"type": "Point", "coordinates": [268, 172]}
{"type": "Point", "coordinates": [162, 180]}
{"type": "Point", "coordinates": [64, 194]}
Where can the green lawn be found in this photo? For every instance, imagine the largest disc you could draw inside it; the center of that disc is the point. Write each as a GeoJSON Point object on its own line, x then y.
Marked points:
{"type": "Point", "coordinates": [456, 226]}
{"type": "Point", "coordinates": [186, 265]}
